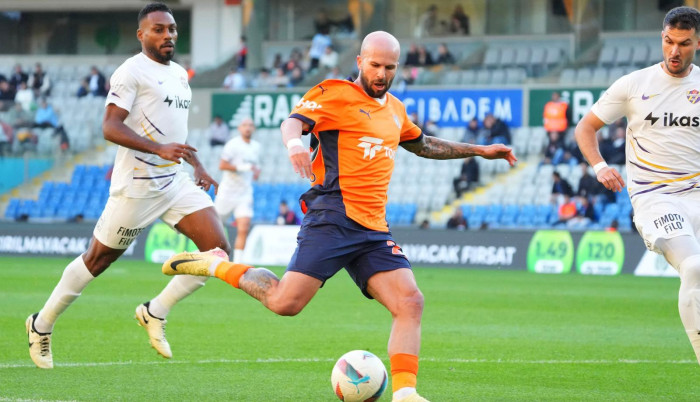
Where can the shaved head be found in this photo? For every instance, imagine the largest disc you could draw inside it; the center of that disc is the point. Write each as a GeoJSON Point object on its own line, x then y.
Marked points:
{"type": "Point", "coordinates": [377, 63]}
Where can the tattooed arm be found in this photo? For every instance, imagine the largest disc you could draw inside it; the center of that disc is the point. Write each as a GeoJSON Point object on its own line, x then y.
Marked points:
{"type": "Point", "coordinates": [436, 148]}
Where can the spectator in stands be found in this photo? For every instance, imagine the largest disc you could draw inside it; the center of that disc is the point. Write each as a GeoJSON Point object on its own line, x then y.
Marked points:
{"type": "Point", "coordinates": [411, 56]}
{"type": "Point", "coordinates": [286, 216]}
{"type": "Point", "coordinates": [554, 152]}
{"type": "Point", "coordinates": [616, 154]}
{"type": "Point", "coordinates": [431, 128]}
{"type": "Point", "coordinates": [280, 80]}
{"type": "Point", "coordinates": [190, 71]}
{"type": "Point", "coordinates": [474, 133]}
{"type": "Point", "coordinates": [7, 95]}
{"type": "Point", "coordinates": [566, 211]}
{"type": "Point", "coordinates": [457, 220]}
{"type": "Point", "coordinates": [428, 24]}
{"type": "Point", "coordinates": [17, 77]}
{"type": "Point", "coordinates": [242, 54]}
{"type": "Point", "coordinates": [321, 21]}
{"type": "Point", "coordinates": [425, 224]}
{"type": "Point", "coordinates": [468, 177]}
{"type": "Point", "coordinates": [296, 77]}
{"type": "Point", "coordinates": [45, 116]}
{"type": "Point", "coordinates": [25, 96]}
{"type": "Point", "coordinates": [345, 26]}
{"type": "Point", "coordinates": [404, 80]}
{"type": "Point", "coordinates": [264, 80]}
{"type": "Point", "coordinates": [235, 81]}
{"type": "Point", "coordinates": [560, 188]}
{"type": "Point", "coordinates": [459, 21]}
{"type": "Point", "coordinates": [556, 115]}
{"type": "Point", "coordinates": [588, 186]}
{"type": "Point", "coordinates": [39, 82]}
{"type": "Point", "coordinates": [219, 132]}
{"type": "Point", "coordinates": [97, 82]}
{"type": "Point", "coordinates": [329, 59]}
{"type": "Point", "coordinates": [277, 61]}
{"type": "Point", "coordinates": [295, 57]}
{"type": "Point", "coordinates": [424, 57]}
{"type": "Point", "coordinates": [319, 43]}
{"type": "Point", "coordinates": [84, 88]}
{"type": "Point", "coordinates": [18, 118]}
{"type": "Point", "coordinates": [5, 138]}
{"type": "Point", "coordinates": [498, 131]}
{"type": "Point", "coordinates": [444, 55]}
{"type": "Point", "coordinates": [335, 74]}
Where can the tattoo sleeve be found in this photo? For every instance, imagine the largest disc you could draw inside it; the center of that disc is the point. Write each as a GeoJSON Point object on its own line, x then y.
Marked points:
{"type": "Point", "coordinates": [257, 281]}
{"type": "Point", "coordinates": [436, 148]}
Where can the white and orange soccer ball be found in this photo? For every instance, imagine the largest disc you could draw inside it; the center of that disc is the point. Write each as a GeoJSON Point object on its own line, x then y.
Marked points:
{"type": "Point", "coordinates": [359, 376]}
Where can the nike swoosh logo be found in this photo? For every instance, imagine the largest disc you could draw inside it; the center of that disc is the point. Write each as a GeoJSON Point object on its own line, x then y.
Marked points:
{"type": "Point", "coordinates": [644, 97]}
{"type": "Point", "coordinates": [160, 82]}
{"type": "Point", "coordinates": [30, 344]}
{"type": "Point", "coordinates": [175, 263]}
{"type": "Point", "coordinates": [145, 320]}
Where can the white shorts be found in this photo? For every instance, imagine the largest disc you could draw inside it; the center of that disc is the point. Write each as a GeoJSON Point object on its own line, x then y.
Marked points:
{"type": "Point", "coordinates": [663, 216]}
{"type": "Point", "coordinates": [239, 206]}
{"type": "Point", "coordinates": [124, 218]}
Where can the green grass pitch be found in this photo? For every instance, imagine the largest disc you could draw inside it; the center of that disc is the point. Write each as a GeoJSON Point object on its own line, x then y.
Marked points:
{"type": "Point", "coordinates": [487, 336]}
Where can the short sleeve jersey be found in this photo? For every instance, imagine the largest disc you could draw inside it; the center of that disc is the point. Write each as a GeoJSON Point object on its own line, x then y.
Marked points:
{"type": "Point", "coordinates": [238, 152]}
{"type": "Point", "coordinates": [357, 139]}
{"type": "Point", "coordinates": [157, 97]}
{"type": "Point", "coordinates": [663, 129]}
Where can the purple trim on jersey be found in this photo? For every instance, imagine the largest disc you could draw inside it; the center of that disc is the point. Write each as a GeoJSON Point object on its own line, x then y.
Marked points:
{"type": "Point", "coordinates": [146, 162]}
{"type": "Point", "coordinates": [656, 171]}
{"type": "Point", "coordinates": [642, 183]}
{"type": "Point", "coordinates": [169, 183]}
{"type": "Point", "coordinates": [640, 146]}
{"type": "Point", "coordinates": [155, 177]}
{"type": "Point", "coordinates": [114, 93]}
{"type": "Point", "coordinates": [684, 189]}
{"type": "Point", "coordinates": [648, 190]}
{"type": "Point", "coordinates": [305, 120]}
{"type": "Point", "coordinates": [152, 125]}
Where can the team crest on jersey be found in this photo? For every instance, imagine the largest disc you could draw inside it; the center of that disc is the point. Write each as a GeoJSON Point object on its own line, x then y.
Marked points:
{"type": "Point", "coordinates": [693, 96]}
{"type": "Point", "coordinates": [183, 81]}
{"type": "Point", "coordinates": [398, 123]}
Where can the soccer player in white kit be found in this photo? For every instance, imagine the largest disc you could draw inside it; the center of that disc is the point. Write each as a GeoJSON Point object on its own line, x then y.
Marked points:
{"type": "Point", "coordinates": [146, 115]}
{"type": "Point", "coordinates": [240, 161]}
{"type": "Point", "coordinates": [662, 106]}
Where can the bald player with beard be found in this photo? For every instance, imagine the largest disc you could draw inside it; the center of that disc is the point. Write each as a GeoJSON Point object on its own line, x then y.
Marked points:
{"type": "Point", "coordinates": [356, 128]}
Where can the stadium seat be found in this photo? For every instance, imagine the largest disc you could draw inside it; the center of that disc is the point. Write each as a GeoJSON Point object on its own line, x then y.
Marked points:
{"type": "Point", "coordinates": [607, 56]}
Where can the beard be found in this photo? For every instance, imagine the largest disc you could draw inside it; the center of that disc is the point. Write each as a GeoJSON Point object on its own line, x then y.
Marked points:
{"type": "Point", "coordinates": [162, 55]}
{"type": "Point", "coordinates": [367, 86]}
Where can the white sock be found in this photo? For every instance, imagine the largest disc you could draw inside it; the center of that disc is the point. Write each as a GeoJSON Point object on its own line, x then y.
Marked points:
{"type": "Point", "coordinates": [237, 256]}
{"type": "Point", "coordinates": [177, 289]}
{"type": "Point", "coordinates": [404, 392]}
{"type": "Point", "coordinates": [689, 300]}
{"type": "Point", "coordinates": [74, 279]}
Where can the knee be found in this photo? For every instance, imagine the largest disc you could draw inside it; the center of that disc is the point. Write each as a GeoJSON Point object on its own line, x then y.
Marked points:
{"type": "Point", "coordinates": [410, 304]}
{"type": "Point", "coordinates": [285, 308]}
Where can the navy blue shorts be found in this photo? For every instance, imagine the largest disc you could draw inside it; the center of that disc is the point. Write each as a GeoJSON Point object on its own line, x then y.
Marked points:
{"type": "Point", "coordinates": [329, 241]}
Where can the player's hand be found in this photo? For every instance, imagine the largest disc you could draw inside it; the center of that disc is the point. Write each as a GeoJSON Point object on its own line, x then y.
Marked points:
{"type": "Point", "coordinates": [611, 179]}
{"type": "Point", "coordinates": [256, 172]}
{"type": "Point", "coordinates": [203, 180]}
{"type": "Point", "coordinates": [301, 160]}
{"type": "Point", "coordinates": [174, 151]}
{"type": "Point", "coordinates": [499, 151]}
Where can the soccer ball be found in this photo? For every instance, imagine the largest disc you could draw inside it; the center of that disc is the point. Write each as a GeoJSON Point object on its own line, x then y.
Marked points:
{"type": "Point", "coordinates": [359, 376]}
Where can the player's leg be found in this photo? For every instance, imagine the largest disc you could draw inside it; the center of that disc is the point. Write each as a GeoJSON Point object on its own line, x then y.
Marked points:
{"type": "Point", "coordinates": [242, 230]}
{"type": "Point", "coordinates": [76, 276]}
{"type": "Point", "coordinates": [224, 207]}
{"type": "Point", "coordinates": [398, 292]}
{"type": "Point", "coordinates": [683, 253]}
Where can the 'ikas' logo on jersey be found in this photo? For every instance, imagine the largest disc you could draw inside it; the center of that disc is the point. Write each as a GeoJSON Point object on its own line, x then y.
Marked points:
{"type": "Point", "coordinates": [307, 104]}
{"type": "Point", "coordinates": [693, 96]}
{"type": "Point", "coordinates": [674, 120]}
{"type": "Point", "coordinates": [373, 145]}
{"type": "Point", "coordinates": [179, 102]}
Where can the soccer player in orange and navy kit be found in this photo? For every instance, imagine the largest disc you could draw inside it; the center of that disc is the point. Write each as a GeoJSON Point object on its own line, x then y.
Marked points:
{"type": "Point", "coordinates": [357, 128]}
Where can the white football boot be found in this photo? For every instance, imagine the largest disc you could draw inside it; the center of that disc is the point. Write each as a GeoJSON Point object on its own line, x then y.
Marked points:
{"type": "Point", "coordinates": [414, 397]}
{"type": "Point", "coordinates": [155, 328]}
{"type": "Point", "coordinates": [39, 345]}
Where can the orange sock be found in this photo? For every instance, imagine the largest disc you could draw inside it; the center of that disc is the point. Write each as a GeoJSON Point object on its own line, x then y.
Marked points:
{"type": "Point", "coordinates": [404, 370]}
{"type": "Point", "coordinates": [230, 272]}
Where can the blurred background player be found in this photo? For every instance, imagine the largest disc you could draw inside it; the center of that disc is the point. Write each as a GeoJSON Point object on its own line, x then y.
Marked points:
{"type": "Point", "coordinates": [239, 163]}
{"type": "Point", "coordinates": [345, 222]}
{"type": "Point", "coordinates": [663, 158]}
{"type": "Point", "coordinates": [147, 183]}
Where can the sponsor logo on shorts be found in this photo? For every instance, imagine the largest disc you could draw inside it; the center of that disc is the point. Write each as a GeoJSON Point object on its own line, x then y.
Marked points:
{"type": "Point", "coordinates": [669, 222]}
{"type": "Point", "coordinates": [394, 248]}
{"type": "Point", "coordinates": [128, 235]}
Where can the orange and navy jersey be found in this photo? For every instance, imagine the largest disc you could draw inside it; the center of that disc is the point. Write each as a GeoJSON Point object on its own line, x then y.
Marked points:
{"type": "Point", "coordinates": [354, 144]}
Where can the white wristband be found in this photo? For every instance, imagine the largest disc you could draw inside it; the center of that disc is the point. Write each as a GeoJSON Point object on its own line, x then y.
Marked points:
{"type": "Point", "coordinates": [294, 142]}
{"type": "Point", "coordinates": [244, 167]}
{"type": "Point", "coordinates": [599, 166]}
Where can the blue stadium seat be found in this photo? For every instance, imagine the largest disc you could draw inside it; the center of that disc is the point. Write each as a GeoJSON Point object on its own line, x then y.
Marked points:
{"type": "Point", "coordinates": [12, 208]}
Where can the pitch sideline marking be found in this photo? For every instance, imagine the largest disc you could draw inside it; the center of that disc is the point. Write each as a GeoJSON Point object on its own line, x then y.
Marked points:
{"type": "Point", "coordinates": [316, 360]}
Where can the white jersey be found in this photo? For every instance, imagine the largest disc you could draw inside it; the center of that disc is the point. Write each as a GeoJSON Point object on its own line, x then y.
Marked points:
{"type": "Point", "coordinates": [157, 97]}
{"type": "Point", "coordinates": [663, 129]}
{"type": "Point", "coordinates": [239, 153]}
